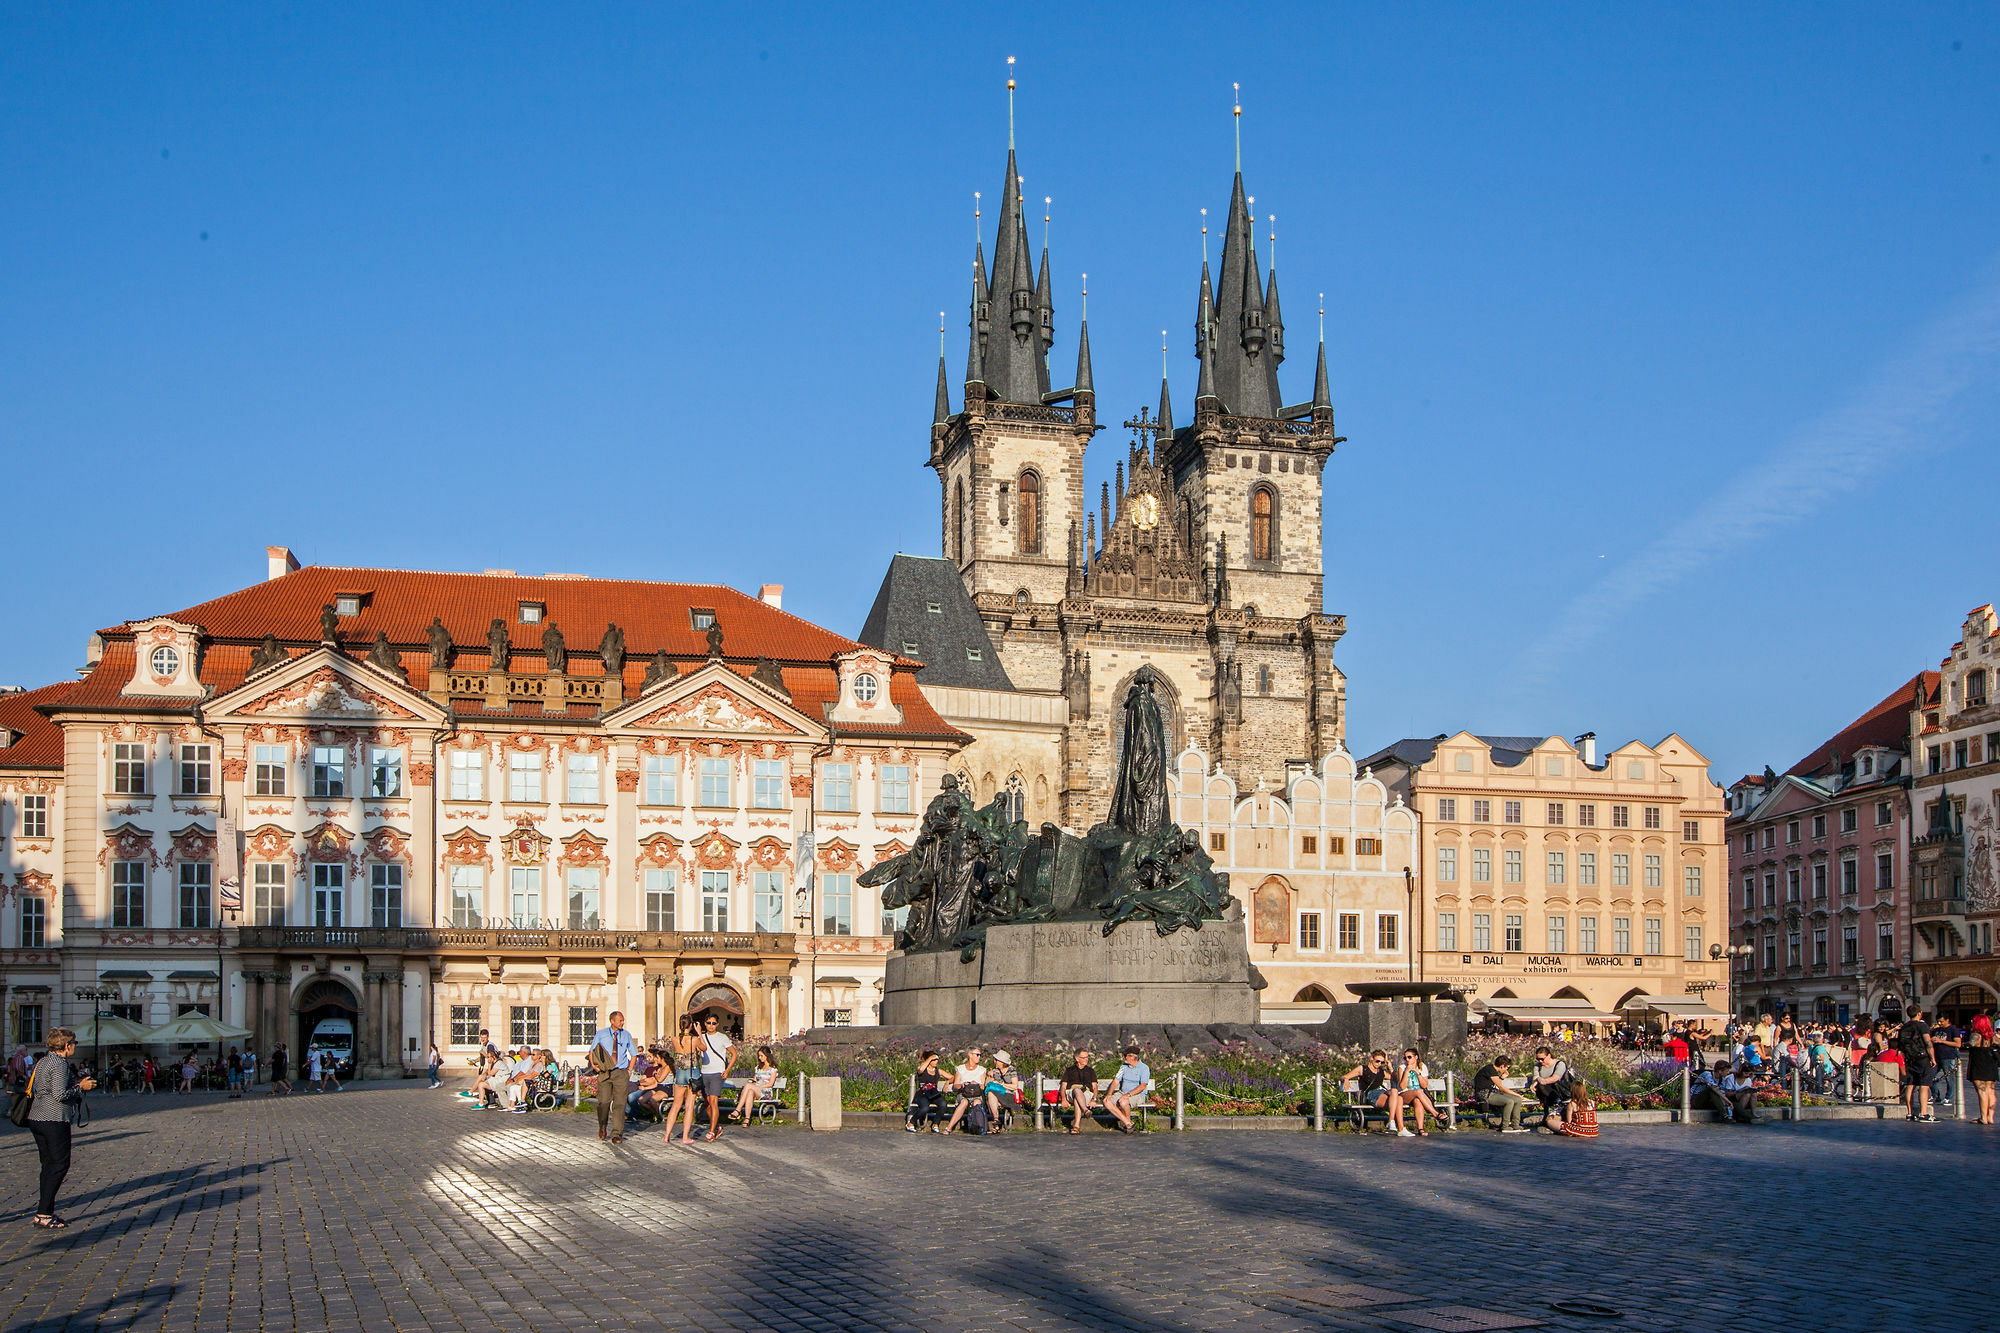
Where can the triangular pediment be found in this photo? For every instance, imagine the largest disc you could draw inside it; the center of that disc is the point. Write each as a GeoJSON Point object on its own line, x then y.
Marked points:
{"type": "Point", "coordinates": [713, 699]}
{"type": "Point", "coordinates": [323, 684]}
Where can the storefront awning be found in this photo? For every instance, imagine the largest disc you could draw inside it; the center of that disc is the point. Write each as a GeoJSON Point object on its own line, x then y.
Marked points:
{"type": "Point", "coordinates": [1675, 1006]}
{"type": "Point", "coordinates": [125, 974]}
{"type": "Point", "coordinates": [190, 976]}
{"type": "Point", "coordinates": [1548, 1011]}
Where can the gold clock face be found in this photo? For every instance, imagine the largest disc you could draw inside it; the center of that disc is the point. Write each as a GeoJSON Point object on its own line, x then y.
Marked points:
{"type": "Point", "coordinates": [1146, 511]}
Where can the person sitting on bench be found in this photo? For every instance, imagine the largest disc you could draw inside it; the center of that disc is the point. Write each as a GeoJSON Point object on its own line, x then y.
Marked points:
{"type": "Point", "coordinates": [1550, 1084]}
{"type": "Point", "coordinates": [1003, 1087]}
{"type": "Point", "coordinates": [1371, 1085]}
{"type": "Point", "coordinates": [1079, 1090]}
{"type": "Point", "coordinates": [1133, 1080]}
{"type": "Point", "coordinates": [928, 1103]}
{"type": "Point", "coordinates": [1489, 1089]}
{"type": "Point", "coordinates": [969, 1082]}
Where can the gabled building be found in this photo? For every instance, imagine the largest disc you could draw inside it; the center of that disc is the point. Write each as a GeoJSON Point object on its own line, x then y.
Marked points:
{"type": "Point", "coordinates": [32, 806]}
{"type": "Point", "coordinates": [404, 806]}
{"type": "Point", "coordinates": [1818, 872]}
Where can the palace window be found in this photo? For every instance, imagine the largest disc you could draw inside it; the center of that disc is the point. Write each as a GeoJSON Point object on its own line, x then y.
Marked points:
{"type": "Point", "coordinates": [1850, 944]}
{"type": "Point", "coordinates": [1850, 820]}
{"type": "Point", "coordinates": [34, 922]}
{"type": "Point", "coordinates": [468, 775]}
{"type": "Point", "coordinates": [715, 782]}
{"type": "Point", "coordinates": [1482, 812]}
{"type": "Point", "coordinates": [583, 786]}
{"type": "Point", "coordinates": [524, 1025]}
{"type": "Point", "coordinates": [1482, 931]}
{"type": "Point", "coordinates": [128, 894]}
{"type": "Point", "coordinates": [1263, 523]}
{"type": "Point", "coordinates": [1482, 866]}
{"type": "Point", "coordinates": [524, 895]}
{"type": "Point", "coordinates": [1448, 864]}
{"type": "Point", "coordinates": [329, 881]}
{"type": "Point", "coordinates": [660, 885]}
{"type": "Point", "coordinates": [29, 1026]}
{"type": "Point", "coordinates": [272, 763]}
{"type": "Point", "coordinates": [1691, 881]}
{"type": "Point", "coordinates": [1819, 826]}
{"type": "Point", "coordinates": [1511, 810]}
{"type": "Point", "coordinates": [896, 789]}
{"type": "Point", "coordinates": [1621, 816]}
{"type": "Point", "coordinates": [268, 885]}
{"type": "Point", "coordinates": [1655, 935]}
{"type": "Point", "coordinates": [34, 816]}
{"type": "Point", "coordinates": [715, 900]}
{"type": "Point", "coordinates": [663, 773]}
{"type": "Point", "coordinates": [585, 888]}
{"type": "Point", "coordinates": [196, 771]}
{"type": "Point", "coordinates": [1792, 884]}
{"type": "Point", "coordinates": [1586, 816]}
{"type": "Point", "coordinates": [1885, 872]}
{"type": "Point", "coordinates": [1558, 934]}
{"type": "Point", "coordinates": [1388, 930]}
{"type": "Point", "coordinates": [582, 1024]}
{"type": "Point", "coordinates": [1309, 844]}
{"type": "Point", "coordinates": [329, 770]}
{"type": "Point", "coordinates": [836, 905]}
{"type": "Point", "coordinates": [1350, 931]}
{"type": "Point", "coordinates": [1447, 809]}
{"type": "Point", "coordinates": [1586, 868]}
{"type": "Point", "coordinates": [836, 787]}
{"type": "Point", "coordinates": [524, 776]}
{"type": "Point", "coordinates": [385, 896]}
{"type": "Point", "coordinates": [197, 904]}
{"type": "Point", "coordinates": [1447, 929]}
{"type": "Point", "coordinates": [465, 1025]}
{"type": "Point", "coordinates": [1690, 830]}
{"type": "Point", "coordinates": [767, 901]}
{"type": "Point", "coordinates": [767, 784]}
{"type": "Point", "coordinates": [1309, 931]}
{"type": "Point", "coordinates": [468, 894]}
{"type": "Point", "coordinates": [1515, 933]}
{"type": "Point", "coordinates": [1621, 934]}
{"type": "Point", "coordinates": [1885, 944]}
{"type": "Point", "coordinates": [1771, 889]}
{"type": "Point", "coordinates": [1028, 496]}
{"type": "Point", "coordinates": [128, 769]}
{"type": "Point", "coordinates": [1556, 811]}
{"type": "Point", "coordinates": [1512, 867]}
{"type": "Point", "coordinates": [385, 773]}
{"type": "Point", "coordinates": [1819, 879]}
{"type": "Point", "coordinates": [1621, 870]}
{"type": "Point", "coordinates": [1655, 871]}
{"type": "Point", "coordinates": [1557, 869]}
{"type": "Point", "coordinates": [1586, 934]}
{"type": "Point", "coordinates": [1691, 945]}
{"type": "Point", "coordinates": [1652, 813]}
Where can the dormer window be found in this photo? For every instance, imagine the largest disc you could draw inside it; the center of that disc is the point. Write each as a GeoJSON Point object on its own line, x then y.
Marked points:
{"type": "Point", "coordinates": [935, 608]}
{"type": "Point", "coordinates": [909, 647]}
{"type": "Point", "coordinates": [347, 604]}
{"type": "Point", "coordinates": [975, 654]}
{"type": "Point", "coordinates": [866, 688]}
{"type": "Point", "coordinates": [1867, 764]}
{"type": "Point", "coordinates": [531, 613]}
{"type": "Point", "coordinates": [702, 618]}
{"type": "Point", "coordinates": [165, 662]}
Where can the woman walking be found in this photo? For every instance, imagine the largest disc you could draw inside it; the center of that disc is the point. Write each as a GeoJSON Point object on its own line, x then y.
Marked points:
{"type": "Point", "coordinates": [687, 1080]}
{"type": "Point", "coordinates": [1982, 1064]}
{"type": "Point", "coordinates": [437, 1067]}
{"type": "Point", "coordinates": [55, 1106]}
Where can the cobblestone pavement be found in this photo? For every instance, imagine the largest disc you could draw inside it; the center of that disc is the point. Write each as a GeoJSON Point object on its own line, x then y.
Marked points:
{"type": "Point", "coordinates": [390, 1206]}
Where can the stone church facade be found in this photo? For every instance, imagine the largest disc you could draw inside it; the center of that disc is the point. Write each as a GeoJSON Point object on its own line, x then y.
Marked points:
{"type": "Point", "coordinates": [1203, 559]}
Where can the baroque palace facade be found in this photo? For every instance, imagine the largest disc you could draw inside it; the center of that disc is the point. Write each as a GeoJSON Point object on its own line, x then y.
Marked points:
{"type": "Point", "coordinates": [406, 800]}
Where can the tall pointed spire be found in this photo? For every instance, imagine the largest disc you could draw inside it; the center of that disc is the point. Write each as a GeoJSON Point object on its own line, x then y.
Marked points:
{"type": "Point", "coordinates": [1204, 390]}
{"type": "Point", "coordinates": [1015, 361]}
{"type": "Point", "coordinates": [1045, 310]}
{"type": "Point", "coordinates": [941, 413]}
{"type": "Point", "coordinates": [1073, 578]}
{"type": "Point", "coordinates": [1083, 381]}
{"type": "Point", "coordinates": [1166, 401]}
{"type": "Point", "coordinates": [1322, 395]}
{"type": "Point", "coordinates": [975, 360]}
{"type": "Point", "coordinates": [1274, 323]}
{"type": "Point", "coordinates": [1246, 374]}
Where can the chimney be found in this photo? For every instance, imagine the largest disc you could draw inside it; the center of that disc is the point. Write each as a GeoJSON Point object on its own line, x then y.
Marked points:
{"type": "Point", "coordinates": [772, 595]}
{"type": "Point", "coordinates": [282, 560]}
{"type": "Point", "coordinates": [1587, 743]}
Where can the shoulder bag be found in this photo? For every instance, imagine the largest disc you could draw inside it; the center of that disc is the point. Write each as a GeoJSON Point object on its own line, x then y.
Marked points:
{"type": "Point", "coordinates": [17, 1110]}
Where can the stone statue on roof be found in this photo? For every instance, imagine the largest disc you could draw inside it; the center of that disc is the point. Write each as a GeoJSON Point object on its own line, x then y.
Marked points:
{"type": "Point", "coordinates": [611, 649]}
{"type": "Point", "coordinates": [555, 653]}
{"type": "Point", "coordinates": [329, 624]}
{"type": "Point", "coordinates": [714, 640]}
{"type": "Point", "coordinates": [381, 655]}
{"type": "Point", "coordinates": [657, 670]}
{"type": "Point", "coordinates": [496, 643]}
{"type": "Point", "coordinates": [267, 655]}
{"type": "Point", "coordinates": [440, 639]}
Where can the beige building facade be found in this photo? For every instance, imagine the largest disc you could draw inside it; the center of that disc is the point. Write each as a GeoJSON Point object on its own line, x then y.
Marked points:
{"type": "Point", "coordinates": [1548, 875]}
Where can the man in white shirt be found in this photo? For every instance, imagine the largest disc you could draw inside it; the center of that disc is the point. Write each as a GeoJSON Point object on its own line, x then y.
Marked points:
{"type": "Point", "coordinates": [312, 1068]}
{"type": "Point", "coordinates": [611, 1053]}
{"type": "Point", "coordinates": [718, 1057]}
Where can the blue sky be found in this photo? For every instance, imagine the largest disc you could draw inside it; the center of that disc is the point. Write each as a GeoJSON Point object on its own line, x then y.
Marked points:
{"type": "Point", "coordinates": [1664, 338]}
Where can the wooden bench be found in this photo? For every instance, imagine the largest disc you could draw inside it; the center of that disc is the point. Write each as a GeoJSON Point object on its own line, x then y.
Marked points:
{"type": "Point", "coordinates": [1534, 1111]}
{"type": "Point", "coordinates": [1141, 1105]}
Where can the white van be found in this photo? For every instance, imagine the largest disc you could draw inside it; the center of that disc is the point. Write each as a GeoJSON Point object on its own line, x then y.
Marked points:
{"type": "Point", "coordinates": [333, 1038]}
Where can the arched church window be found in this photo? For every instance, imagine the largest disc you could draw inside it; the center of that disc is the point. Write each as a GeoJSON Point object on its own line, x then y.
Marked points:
{"type": "Point", "coordinates": [1263, 680]}
{"type": "Point", "coordinates": [1262, 523]}
{"type": "Point", "coordinates": [1029, 497]}
{"type": "Point", "coordinates": [1015, 799]}
{"type": "Point", "coordinates": [958, 520]}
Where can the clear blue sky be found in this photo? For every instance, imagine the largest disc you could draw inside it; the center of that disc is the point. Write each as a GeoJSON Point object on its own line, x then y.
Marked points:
{"type": "Point", "coordinates": [1665, 339]}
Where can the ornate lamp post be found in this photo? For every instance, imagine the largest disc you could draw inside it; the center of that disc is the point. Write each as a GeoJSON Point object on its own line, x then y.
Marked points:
{"type": "Point", "coordinates": [96, 997]}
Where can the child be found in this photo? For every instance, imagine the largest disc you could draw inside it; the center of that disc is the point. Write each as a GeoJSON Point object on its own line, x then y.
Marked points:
{"type": "Point", "coordinates": [1581, 1120]}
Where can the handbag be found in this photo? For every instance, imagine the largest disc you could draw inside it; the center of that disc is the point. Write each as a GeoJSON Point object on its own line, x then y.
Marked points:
{"type": "Point", "coordinates": [17, 1110]}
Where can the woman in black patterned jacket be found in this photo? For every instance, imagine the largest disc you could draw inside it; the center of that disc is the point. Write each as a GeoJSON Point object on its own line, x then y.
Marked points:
{"type": "Point", "coordinates": [56, 1107]}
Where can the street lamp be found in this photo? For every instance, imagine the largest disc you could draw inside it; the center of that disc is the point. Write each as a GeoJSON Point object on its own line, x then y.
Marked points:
{"type": "Point", "coordinates": [96, 998]}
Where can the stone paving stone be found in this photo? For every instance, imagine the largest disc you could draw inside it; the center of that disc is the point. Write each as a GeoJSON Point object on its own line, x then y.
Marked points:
{"type": "Point", "coordinates": [1464, 1319]}
{"type": "Point", "coordinates": [389, 1207]}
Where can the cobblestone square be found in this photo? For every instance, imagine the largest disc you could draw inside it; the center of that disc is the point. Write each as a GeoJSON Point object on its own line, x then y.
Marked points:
{"type": "Point", "coordinates": [389, 1206]}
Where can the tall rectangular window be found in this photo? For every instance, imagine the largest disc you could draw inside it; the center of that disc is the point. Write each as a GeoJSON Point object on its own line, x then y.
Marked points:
{"type": "Point", "coordinates": [1655, 935]}
{"type": "Point", "coordinates": [1885, 871]}
{"type": "Point", "coordinates": [1691, 881]}
{"type": "Point", "coordinates": [1482, 812]}
{"type": "Point", "coordinates": [586, 909]}
{"type": "Point", "coordinates": [34, 815]}
{"type": "Point", "coordinates": [767, 784]}
{"type": "Point", "coordinates": [1586, 934]}
{"type": "Point", "coordinates": [1447, 929]}
{"type": "Point", "coordinates": [1850, 944]}
{"type": "Point", "coordinates": [1556, 810]}
{"type": "Point", "coordinates": [273, 761]}
{"type": "Point", "coordinates": [1511, 811]}
{"type": "Point", "coordinates": [197, 904]}
{"type": "Point", "coordinates": [524, 1025]}
{"type": "Point", "coordinates": [34, 922]}
{"type": "Point", "coordinates": [1350, 931]}
{"type": "Point", "coordinates": [1885, 944]}
{"type": "Point", "coordinates": [1621, 870]}
{"type": "Point", "coordinates": [468, 897]}
{"type": "Point", "coordinates": [1652, 813]}
{"type": "Point", "coordinates": [1621, 934]}
{"type": "Point", "coordinates": [1482, 866]}
{"type": "Point", "coordinates": [128, 769]}
{"type": "Point", "coordinates": [1770, 953]}
{"type": "Point", "coordinates": [1621, 816]}
{"type": "Point", "coordinates": [1885, 813]}
{"type": "Point", "coordinates": [197, 776]}
{"type": "Point", "coordinates": [583, 785]}
{"type": "Point", "coordinates": [1482, 932]}
{"type": "Point", "coordinates": [715, 783]}
{"type": "Point", "coordinates": [1448, 864]}
{"type": "Point", "coordinates": [30, 1027]}
{"type": "Point", "coordinates": [1558, 934]}
{"type": "Point", "coordinates": [329, 881]}
{"type": "Point", "coordinates": [1558, 869]}
{"type": "Point", "coordinates": [1309, 931]}
{"type": "Point", "coordinates": [385, 772]}
{"type": "Point", "coordinates": [1388, 932]}
{"type": "Point", "coordinates": [663, 779]}
{"type": "Point", "coordinates": [1691, 950]}
{"type": "Point", "coordinates": [896, 798]}
{"type": "Point", "coordinates": [385, 896]}
{"type": "Point", "coordinates": [128, 894]}
{"type": "Point", "coordinates": [1690, 830]}
{"type": "Point", "coordinates": [1515, 934]}
{"type": "Point", "coordinates": [836, 904]}
{"type": "Point", "coordinates": [1819, 826]}
{"type": "Point", "coordinates": [1792, 949]}
{"type": "Point", "coordinates": [660, 886]}
{"type": "Point", "coordinates": [1819, 879]}
{"type": "Point", "coordinates": [1447, 809]}
{"type": "Point", "coordinates": [1771, 889]}
{"type": "Point", "coordinates": [1656, 875]}
{"type": "Point", "coordinates": [468, 775]}
{"type": "Point", "coordinates": [715, 900]}
{"type": "Point", "coordinates": [767, 902]}
{"type": "Point", "coordinates": [524, 775]}
{"type": "Point", "coordinates": [1850, 819]}
{"type": "Point", "coordinates": [268, 890]}
{"type": "Point", "coordinates": [582, 1025]}
{"type": "Point", "coordinates": [329, 771]}
{"type": "Point", "coordinates": [465, 1025]}
{"type": "Point", "coordinates": [836, 787]}
{"type": "Point", "coordinates": [1512, 866]}
{"type": "Point", "coordinates": [1749, 891]}
{"type": "Point", "coordinates": [1792, 884]}
{"type": "Point", "coordinates": [1586, 869]}
{"type": "Point", "coordinates": [1818, 948]}
{"type": "Point", "coordinates": [524, 895]}
{"type": "Point", "coordinates": [1850, 876]}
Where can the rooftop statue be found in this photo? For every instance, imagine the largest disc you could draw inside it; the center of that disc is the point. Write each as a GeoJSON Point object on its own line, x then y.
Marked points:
{"type": "Point", "coordinates": [972, 868]}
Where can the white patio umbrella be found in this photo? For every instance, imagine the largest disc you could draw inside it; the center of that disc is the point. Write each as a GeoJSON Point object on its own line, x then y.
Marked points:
{"type": "Point", "coordinates": [194, 1030]}
{"type": "Point", "coordinates": [109, 1031]}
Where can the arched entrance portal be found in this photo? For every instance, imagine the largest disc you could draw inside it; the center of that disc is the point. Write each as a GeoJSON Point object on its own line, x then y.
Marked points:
{"type": "Point", "coordinates": [329, 1017]}
{"type": "Point", "coordinates": [721, 1002]}
{"type": "Point", "coordinates": [1963, 1002]}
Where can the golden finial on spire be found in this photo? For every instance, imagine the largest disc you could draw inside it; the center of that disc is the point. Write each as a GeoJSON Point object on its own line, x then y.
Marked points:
{"type": "Point", "coordinates": [1010, 104]}
{"type": "Point", "coordinates": [1163, 353]}
{"type": "Point", "coordinates": [1047, 200]}
{"type": "Point", "coordinates": [1086, 296]}
{"type": "Point", "coordinates": [1322, 316]}
{"type": "Point", "coordinates": [1204, 237]}
{"type": "Point", "coordinates": [940, 335]}
{"type": "Point", "coordinates": [1236, 90]}
{"type": "Point", "coordinates": [1273, 220]}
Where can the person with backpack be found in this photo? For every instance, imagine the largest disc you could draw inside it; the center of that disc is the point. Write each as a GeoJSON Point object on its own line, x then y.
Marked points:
{"type": "Point", "coordinates": [969, 1082]}
{"type": "Point", "coordinates": [1913, 1039]}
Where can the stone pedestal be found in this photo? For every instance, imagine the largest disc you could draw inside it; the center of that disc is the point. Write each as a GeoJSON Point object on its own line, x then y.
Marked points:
{"type": "Point", "coordinates": [1395, 1025]}
{"type": "Point", "coordinates": [823, 1102]}
{"type": "Point", "coordinates": [1071, 972]}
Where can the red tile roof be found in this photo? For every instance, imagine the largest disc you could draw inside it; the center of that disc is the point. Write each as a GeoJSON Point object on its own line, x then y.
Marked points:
{"type": "Point", "coordinates": [40, 740]}
{"type": "Point", "coordinates": [1887, 724]}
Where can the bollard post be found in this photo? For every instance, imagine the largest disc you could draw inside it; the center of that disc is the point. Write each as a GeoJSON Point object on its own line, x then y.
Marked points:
{"type": "Point", "coordinates": [1319, 1103]}
{"type": "Point", "coordinates": [1847, 1081]}
{"type": "Point", "coordinates": [1687, 1096]}
{"type": "Point", "coordinates": [910, 1099]}
{"type": "Point", "coordinates": [805, 1096]}
{"type": "Point", "coordinates": [1451, 1099]}
{"type": "Point", "coordinates": [1041, 1099]}
{"type": "Point", "coordinates": [1798, 1102]}
{"type": "Point", "coordinates": [1180, 1100]}
{"type": "Point", "coordinates": [576, 1090]}
{"type": "Point", "coordinates": [1958, 1090]}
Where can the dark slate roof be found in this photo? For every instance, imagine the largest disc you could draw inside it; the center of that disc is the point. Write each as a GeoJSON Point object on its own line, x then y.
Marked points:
{"type": "Point", "coordinates": [1507, 750]}
{"type": "Point", "coordinates": [902, 616]}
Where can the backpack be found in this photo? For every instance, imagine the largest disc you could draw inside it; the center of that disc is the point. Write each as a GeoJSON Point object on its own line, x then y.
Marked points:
{"type": "Point", "coordinates": [975, 1116]}
{"type": "Point", "coordinates": [1911, 1042]}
